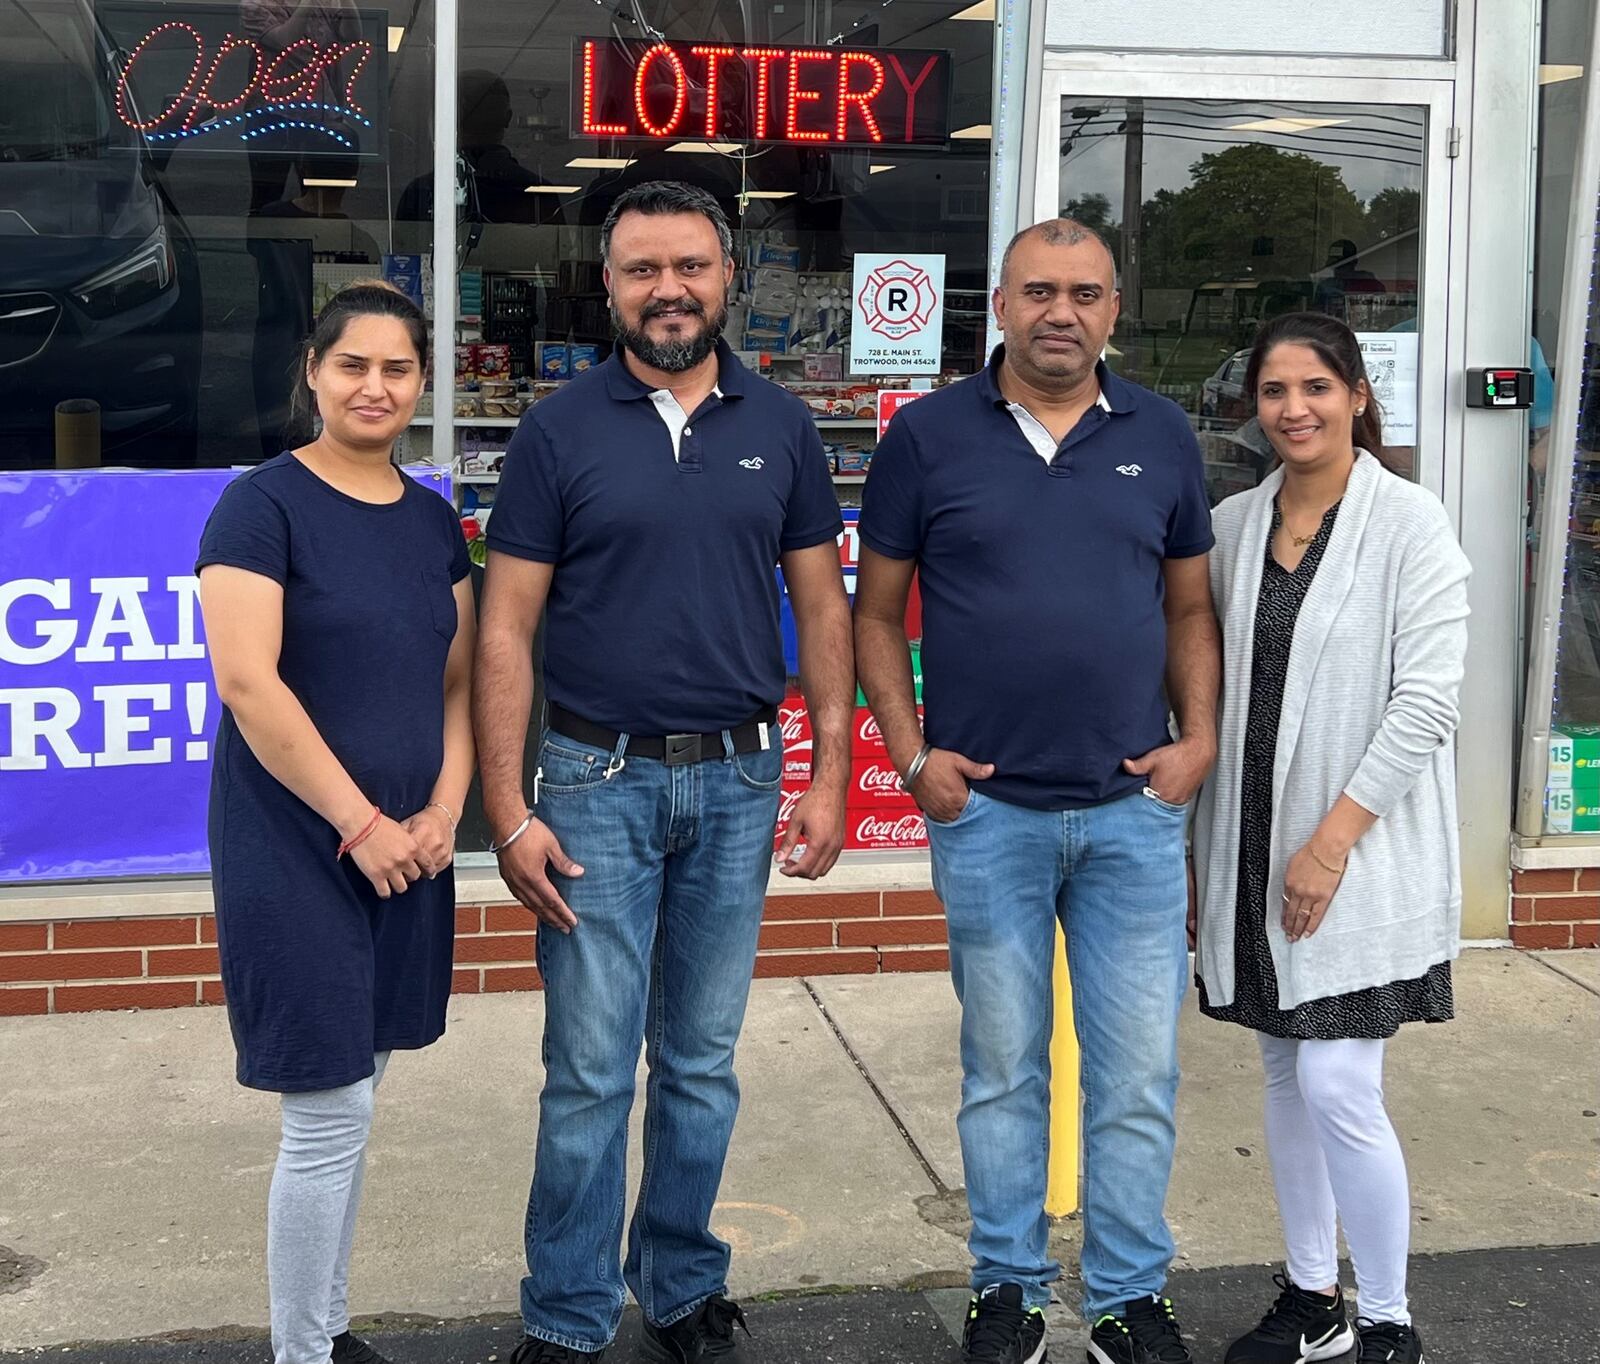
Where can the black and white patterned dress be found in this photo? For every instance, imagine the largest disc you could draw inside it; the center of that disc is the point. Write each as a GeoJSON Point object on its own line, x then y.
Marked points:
{"type": "Point", "coordinates": [1371, 1013]}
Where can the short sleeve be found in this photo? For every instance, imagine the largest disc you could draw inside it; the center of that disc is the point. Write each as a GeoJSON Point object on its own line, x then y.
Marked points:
{"type": "Point", "coordinates": [460, 561]}
{"type": "Point", "coordinates": [1189, 522]}
{"type": "Point", "coordinates": [812, 516]}
{"type": "Point", "coordinates": [246, 529]}
{"type": "Point", "coordinates": [891, 501]}
{"type": "Point", "coordinates": [528, 519]}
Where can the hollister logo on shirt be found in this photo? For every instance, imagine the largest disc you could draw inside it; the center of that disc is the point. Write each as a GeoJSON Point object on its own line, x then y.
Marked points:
{"type": "Point", "coordinates": [750, 463]}
{"type": "Point", "coordinates": [1131, 470]}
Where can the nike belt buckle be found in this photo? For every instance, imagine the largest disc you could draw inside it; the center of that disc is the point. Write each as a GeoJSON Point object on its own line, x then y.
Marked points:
{"type": "Point", "coordinates": [681, 749]}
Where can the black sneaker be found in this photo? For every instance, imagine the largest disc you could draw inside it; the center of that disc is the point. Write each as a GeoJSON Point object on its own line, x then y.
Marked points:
{"type": "Point", "coordinates": [1146, 1333]}
{"type": "Point", "coordinates": [535, 1351]}
{"type": "Point", "coordinates": [1000, 1330]}
{"type": "Point", "coordinates": [705, 1334]}
{"type": "Point", "coordinates": [1300, 1327]}
{"type": "Point", "coordinates": [349, 1349]}
{"type": "Point", "coordinates": [1387, 1342]}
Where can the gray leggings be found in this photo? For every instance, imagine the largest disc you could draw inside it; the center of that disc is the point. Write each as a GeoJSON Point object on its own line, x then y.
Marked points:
{"type": "Point", "coordinates": [311, 1215]}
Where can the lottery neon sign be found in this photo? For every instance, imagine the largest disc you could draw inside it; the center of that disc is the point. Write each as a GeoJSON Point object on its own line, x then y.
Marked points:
{"type": "Point", "coordinates": [196, 80]}
{"type": "Point", "coordinates": [824, 96]}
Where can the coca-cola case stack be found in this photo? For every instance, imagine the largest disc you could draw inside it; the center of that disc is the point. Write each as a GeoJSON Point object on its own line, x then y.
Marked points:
{"type": "Point", "coordinates": [879, 813]}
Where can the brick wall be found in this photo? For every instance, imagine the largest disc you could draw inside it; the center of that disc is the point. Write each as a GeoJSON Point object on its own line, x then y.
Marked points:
{"type": "Point", "coordinates": [1556, 908]}
{"type": "Point", "coordinates": [67, 966]}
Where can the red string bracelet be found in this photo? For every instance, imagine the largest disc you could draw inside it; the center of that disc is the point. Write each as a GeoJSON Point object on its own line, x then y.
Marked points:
{"type": "Point", "coordinates": [351, 844]}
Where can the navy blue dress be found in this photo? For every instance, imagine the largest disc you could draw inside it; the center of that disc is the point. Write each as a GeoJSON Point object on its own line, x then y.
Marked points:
{"type": "Point", "coordinates": [319, 973]}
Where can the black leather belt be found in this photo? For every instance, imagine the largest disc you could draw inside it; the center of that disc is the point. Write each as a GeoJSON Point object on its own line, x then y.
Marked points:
{"type": "Point", "coordinates": [675, 750]}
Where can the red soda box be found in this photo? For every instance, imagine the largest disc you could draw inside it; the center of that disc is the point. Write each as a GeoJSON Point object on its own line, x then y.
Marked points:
{"type": "Point", "coordinates": [875, 785]}
{"type": "Point", "coordinates": [866, 739]}
{"type": "Point", "coordinates": [794, 725]}
{"type": "Point", "coordinates": [886, 830]}
{"type": "Point", "coordinates": [788, 798]}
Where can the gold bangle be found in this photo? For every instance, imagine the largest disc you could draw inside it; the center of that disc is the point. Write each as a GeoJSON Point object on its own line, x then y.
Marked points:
{"type": "Point", "coordinates": [1336, 871]}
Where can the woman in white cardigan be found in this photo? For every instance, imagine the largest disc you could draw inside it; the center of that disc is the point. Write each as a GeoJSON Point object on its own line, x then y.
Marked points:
{"type": "Point", "coordinates": [1326, 861]}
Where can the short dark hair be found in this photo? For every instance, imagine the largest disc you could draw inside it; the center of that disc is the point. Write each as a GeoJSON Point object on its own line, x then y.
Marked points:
{"type": "Point", "coordinates": [1337, 347]}
{"type": "Point", "coordinates": [364, 298]}
{"type": "Point", "coordinates": [666, 196]}
{"type": "Point", "coordinates": [1060, 232]}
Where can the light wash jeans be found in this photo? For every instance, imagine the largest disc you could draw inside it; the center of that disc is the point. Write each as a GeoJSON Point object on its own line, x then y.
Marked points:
{"type": "Point", "coordinates": [1114, 876]}
{"type": "Point", "coordinates": [669, 908]}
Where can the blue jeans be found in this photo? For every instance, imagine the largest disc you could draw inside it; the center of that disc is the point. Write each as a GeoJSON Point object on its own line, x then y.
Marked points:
{"type": "Point", "coordinates": [1114, 876]}
{"type": "Point", "coordinates": [669, 907]}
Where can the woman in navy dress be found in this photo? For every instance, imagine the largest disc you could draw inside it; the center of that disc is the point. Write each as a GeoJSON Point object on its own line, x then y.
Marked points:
{"type": "Point", "coordinates": [339, 616]}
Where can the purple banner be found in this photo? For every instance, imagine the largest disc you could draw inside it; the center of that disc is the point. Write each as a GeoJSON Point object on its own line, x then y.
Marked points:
{"type": "Point", "coordinates": [107, 707]}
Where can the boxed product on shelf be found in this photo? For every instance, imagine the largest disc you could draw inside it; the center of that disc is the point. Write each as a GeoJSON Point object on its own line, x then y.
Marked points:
{"type": "Point", "coordinates": [885, 831]}
{"type": "Point", "coordinates": [768, 332]}
{"type": "Point", "coordinates": [405, 274]}
{"type": "Point", "coordinates": [776, 253]}
{"type": "Point", "coordinates": [466, 368]}
{"type": "Point", "coordinates": [1574, 759]}
{"type": "Point", "coordinates": [492, 360]}
{"type": "Point", "coordinates": [825, 365]}
{"type": "Point", "coordinates": [581, 358]}
{"type": "Point", "coordinates": [875, 785]}
{"type": "Point", "coordinates": [554, 360]}
{"type": "Point", "coordinates": [852, 460]}
{"type": "Point", "coordinates": [1572, 812]}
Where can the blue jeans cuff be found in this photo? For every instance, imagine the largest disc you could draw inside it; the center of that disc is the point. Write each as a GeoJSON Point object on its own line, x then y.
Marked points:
{"type": "Point", "coordinates": [693, 1307]}
{"type": "Point", "coordinates": [587, 1347]}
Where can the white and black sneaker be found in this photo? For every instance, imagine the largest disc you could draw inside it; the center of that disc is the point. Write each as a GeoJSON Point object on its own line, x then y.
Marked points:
{"type": "Point", "coordinates": [1000, 1330]}
{"type": "Point", "coordinates": [1388, 1342]}
{"type": "Point", "coordinates": [1146, 1332]}
{"type": "Point", "coordinates": [1299, 1328]}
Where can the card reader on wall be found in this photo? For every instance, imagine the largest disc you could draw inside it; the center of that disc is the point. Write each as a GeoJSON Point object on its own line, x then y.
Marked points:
{"type": "Point", "coordinates": [1500, 388]}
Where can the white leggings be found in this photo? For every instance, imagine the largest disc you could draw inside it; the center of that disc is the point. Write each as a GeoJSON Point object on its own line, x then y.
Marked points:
{"type": "Point", "coordinates": [311, 1215]}
{"type": "Point", "coordinates": [1335, 1159]}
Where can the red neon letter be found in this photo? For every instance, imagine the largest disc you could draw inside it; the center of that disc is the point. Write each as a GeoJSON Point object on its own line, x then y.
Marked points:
{"type": "Point", "coordinates": [763, 57]}
{"type": "Point", "coordinates": [796, 95]}
{"type": "Point", "coordinates": [680, 95]}
{"type": "Point", "coordinates": [911, 88]}
{"type": "Point", "coordinates": [862, 99]}
{"type": "Point", "coordinates": [713, 56]}
{"type": "Point", "coordinates": [206, 99]}
{"type": "Point", "coordinates": [589, 125]}
{"type": "Point", "coordinates": [295, 82]}
{"type": "Point", "coordinates": [337, 54]}
{"type": "Point", "coordinates": [124, 112]}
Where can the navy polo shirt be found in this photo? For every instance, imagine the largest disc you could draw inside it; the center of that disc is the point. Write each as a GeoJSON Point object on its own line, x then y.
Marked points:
{"type": "Point", "coordinates": [1044, 639]}
{"type": "Point", "coordinates": [663, 608]}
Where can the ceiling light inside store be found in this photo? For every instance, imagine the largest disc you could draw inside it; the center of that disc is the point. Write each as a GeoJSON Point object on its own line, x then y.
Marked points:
{"type": "Point", "coordinates": [1554, 75]}
{"type": "Point", "coordinates": [768, 194]}
{"type": "Point", "coordinates": [878, 170]}
{"type": "Point", "coordinates": [599, 163]}
{"type": "Point", "coordinates": [976, 131]}
{"type": "Point", "coordinates": [719, 148]}
{"type": "Point", "coordinates": [553, 189]}
{"type": "Point", "coordinates": [315, 183]}
{"type": "Point", "coordinates": [397, 34]}
{"type": "Point", "coordinates": [1284, 125]}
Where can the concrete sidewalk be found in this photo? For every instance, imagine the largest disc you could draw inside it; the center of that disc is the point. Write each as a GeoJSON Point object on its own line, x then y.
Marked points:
{"type": "Point", "coordinates": [133, 1171]}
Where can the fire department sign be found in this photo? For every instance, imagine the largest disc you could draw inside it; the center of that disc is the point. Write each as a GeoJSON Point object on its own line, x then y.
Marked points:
{"type": "Point", "coordinates": [898, 315]}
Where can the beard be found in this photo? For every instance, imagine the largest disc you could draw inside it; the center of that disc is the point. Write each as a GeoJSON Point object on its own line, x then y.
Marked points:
{"type": "Point", "coordinates": [676, 356]}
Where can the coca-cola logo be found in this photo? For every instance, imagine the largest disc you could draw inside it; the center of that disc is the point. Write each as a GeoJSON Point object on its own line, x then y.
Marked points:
{"type": "Point", "coordinates": [792, 724]}
{"type": "Point", "coordinates": [877, 778]}
{"type": "Point", "coordinates": [867, 731]}
{"type": "Point", "coordinates": [787, 800]}
{"type": "Point", "coordinates": [907, 828]}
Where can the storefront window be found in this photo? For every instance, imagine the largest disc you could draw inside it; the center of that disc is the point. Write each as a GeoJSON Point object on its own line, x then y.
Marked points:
{"type": "Point", "coordinates": [181, 184]}
{"type": "Point", "coordinates": [1572, 800]}
{"type": "Point", "coordinates": [824, 140]}
{"type": "Point", "coordinates": [1224, 214]}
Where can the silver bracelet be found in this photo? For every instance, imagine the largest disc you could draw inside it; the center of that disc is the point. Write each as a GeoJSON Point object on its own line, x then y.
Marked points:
{"type": "Point", "coordinates": [514, 835]}
{"type": "Point", "coordinates": [440, 805]}
{"type": "Point", "coordinates": [917, 764]}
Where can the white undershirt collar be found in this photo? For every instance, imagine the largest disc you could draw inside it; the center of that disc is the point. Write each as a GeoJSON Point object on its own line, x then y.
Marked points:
{"type": "Point", "coordinates": [672, 413]}
{"type": "Point", "coordinates": [1044, 444]}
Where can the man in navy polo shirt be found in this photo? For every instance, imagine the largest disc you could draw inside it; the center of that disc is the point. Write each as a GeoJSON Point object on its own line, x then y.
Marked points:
{"type": "Point", "coordinates": [1057, 518]}
{"type": "Point", "coordinates": [641, 511]}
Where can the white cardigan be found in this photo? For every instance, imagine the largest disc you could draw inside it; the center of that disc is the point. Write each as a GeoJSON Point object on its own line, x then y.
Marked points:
{"type": "Point", "coordinates": [1369, 710]}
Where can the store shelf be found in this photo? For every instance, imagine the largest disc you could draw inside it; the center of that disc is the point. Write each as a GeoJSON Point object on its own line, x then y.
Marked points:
{"type": "Point", "coordinates": [849, 478]}
{"type": "Point", "coordinates": [845, 423]}
{"type": "Point", "coordinates": [471, 421]}
{"type": "Point", "coordinates": [478, 480]}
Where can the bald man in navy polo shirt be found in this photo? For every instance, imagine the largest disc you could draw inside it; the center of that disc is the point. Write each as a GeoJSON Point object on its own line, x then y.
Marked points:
{"type": "Point", "coordinates": [1057, 518]}
{"type": "Point", "coordinates": [642, 511]}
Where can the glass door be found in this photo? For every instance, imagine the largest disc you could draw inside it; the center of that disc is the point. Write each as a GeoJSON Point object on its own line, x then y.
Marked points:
{"type": "Point", "coordinates": [1227, 204]}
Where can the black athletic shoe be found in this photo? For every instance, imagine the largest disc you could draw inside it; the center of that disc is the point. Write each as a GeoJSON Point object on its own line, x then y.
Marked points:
{"type": "Point", "coordinates": [1000, 1330]}
{"type": "Point", "coordinates": [349, 1349]}
{"type": "Point", "coordinates": [1301, 1327]}
{"type": "Point", "coordinates": [535, 1351]}
{"type": "Point", "coordinates": [1387, 1342]}
{"type": "Point", "coordinates": [705, 1334]}
{"type": "Point", "coordinates": [1146, 1333]}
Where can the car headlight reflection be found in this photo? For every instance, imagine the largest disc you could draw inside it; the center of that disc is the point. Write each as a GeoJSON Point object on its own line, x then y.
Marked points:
{"type": "Point", "coordinates": [135, 279]}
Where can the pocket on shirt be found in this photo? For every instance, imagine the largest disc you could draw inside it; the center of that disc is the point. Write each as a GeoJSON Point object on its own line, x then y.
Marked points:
{"type": "Point", "coordinates": [441, 601]}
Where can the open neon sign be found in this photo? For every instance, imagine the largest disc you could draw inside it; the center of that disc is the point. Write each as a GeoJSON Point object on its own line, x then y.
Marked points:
{"type": "Point", "coordinates": [193, 79]}
{"type": "Point", "coordinates": [809, 96]}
